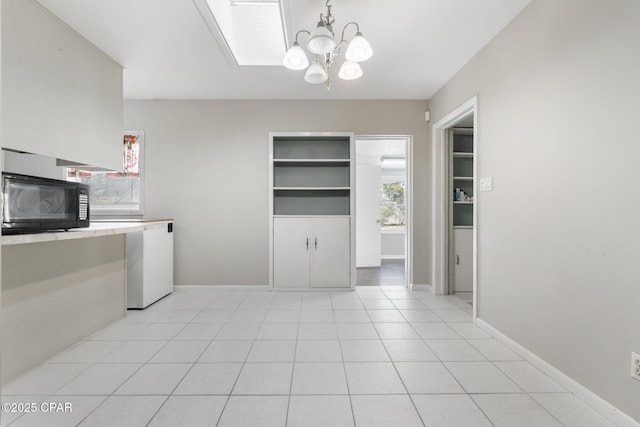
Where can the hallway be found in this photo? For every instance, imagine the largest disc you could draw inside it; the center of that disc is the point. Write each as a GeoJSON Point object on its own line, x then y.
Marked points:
{"type": "Point", "coordinates": [390, 273]}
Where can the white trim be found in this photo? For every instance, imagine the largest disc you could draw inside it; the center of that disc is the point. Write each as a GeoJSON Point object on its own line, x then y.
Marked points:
{"type": "Point", "coordinates": [421, 287]}
{"type": "Point", "coordinates": [408, 194]}
{"type": "Point", "coordinates": [270, 216]}
{"type": "Point", "coordinates": [440, 199]}
{"type": "Point", "coordinates": [392, 257]}
{"type": "Point", "coordinates": [222, 287]}
{"type": "Point", "coordinates": [594, 401]}
{"type": "Point", "coordinates": [387, 231]}
{"type": "Point", "coordinates": [253, 288]}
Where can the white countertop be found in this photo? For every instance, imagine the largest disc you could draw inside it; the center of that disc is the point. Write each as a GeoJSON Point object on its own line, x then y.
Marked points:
{"type": "Point", "coordinates": [97, 229]}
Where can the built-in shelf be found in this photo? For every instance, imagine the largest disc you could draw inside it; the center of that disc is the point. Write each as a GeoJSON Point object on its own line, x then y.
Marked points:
{"type": "Point", "coordinates": [461, 211]}
{"type": "Point", "coordinates": [276, 161]}
{"type": "Point", "coordinates": [311, 202]}
{"type": "Point", "coordinates": [301, 148]}
{"type": "Point", "coordinates": [463, 155]}
{"type": "Point", "coordinates": [311, 188]}
{"type": "Point", "coordinates": [311, 175]}
{"type": "Point", "coordinates": [461, 177]}
{"type": "Point", "coordinates": [311, 193]}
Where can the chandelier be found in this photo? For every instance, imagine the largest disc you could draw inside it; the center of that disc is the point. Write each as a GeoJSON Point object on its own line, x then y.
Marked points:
{"type": "Point", "coordinates": [322, 45]}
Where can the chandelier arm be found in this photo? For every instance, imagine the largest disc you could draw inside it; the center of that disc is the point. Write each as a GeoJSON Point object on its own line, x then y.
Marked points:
{"type": "Point", "coordinates": [342, 39]}
{"type": "Point", "coordinates": [301, 31]}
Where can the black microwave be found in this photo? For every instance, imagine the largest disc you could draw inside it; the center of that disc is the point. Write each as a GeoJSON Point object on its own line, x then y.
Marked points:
{"type": "Point", "coordinates": [33, 204]}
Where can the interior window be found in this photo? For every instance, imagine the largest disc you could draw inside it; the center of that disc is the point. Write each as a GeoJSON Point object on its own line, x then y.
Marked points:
{"type": "Point", "coordinates": [116, 193]}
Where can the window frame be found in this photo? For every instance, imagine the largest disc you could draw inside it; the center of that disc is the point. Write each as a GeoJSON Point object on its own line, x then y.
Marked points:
{"type": "Point", "coordinates": [389, 179]}
{"type": "Point", "coordinates": [111, 211]}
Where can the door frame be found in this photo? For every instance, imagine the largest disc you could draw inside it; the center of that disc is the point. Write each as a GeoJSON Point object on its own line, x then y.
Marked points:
{"type": "Point", "coordinates": [440, 226]}
{"type": "Point", "coordinates": [408, 195]}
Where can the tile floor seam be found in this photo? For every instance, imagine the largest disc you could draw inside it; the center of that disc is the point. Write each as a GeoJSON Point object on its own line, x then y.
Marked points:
{"type": "Point", "coordinates": [293, 369]}
{"type": "Point", "coordinates": [344, 370]}
{"type": "Point", "coordinates": [395, 368]}
{"type": "Point", "coordinates": [228, 395]}
{"type": "Point", "coordinates": [93, 410]}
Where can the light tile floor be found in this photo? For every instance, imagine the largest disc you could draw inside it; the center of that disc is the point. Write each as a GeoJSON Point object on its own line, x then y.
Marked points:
{"type": "Point", "coordinates": [379, 356]}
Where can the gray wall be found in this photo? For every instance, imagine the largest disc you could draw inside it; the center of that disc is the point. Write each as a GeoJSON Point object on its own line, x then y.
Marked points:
{"type": "Point", "coordinates": [558, 94]}
{"type": "Point", "coordinates": [207, 166]}
{"type": "Point", "coordinates": [55, 294]}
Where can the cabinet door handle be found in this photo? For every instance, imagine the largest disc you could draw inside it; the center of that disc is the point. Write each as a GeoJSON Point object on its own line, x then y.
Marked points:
{"type": "Point", "coordinates": [457, 259]}
{"type": "Point", "coordinates": [307, 243]}
{"type": "Point", "coordinates": [316, 243]}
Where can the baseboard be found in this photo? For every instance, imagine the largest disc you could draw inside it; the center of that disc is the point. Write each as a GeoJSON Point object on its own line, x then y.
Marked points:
{"type": "Point", "coordinates": [223, 287]}
{"type": "Point", "coordinates": [420, 287]}
{"type": "Point", "coordinates": [605, 408]}
{"type": "Point", "coordinates": [254, 288]}
{"type": "Point", "coordinates": [392, 257]}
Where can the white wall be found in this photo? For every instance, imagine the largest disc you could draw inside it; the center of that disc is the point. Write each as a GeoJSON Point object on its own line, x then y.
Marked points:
{"type": "Point", "coordinates": [61, 96]}
{"type": "Point", "coordinates": [393, 245]}
{"type": "Point", "coordinates": [207, 167]}
{"type": "Point", "coordinates": [558, 102]}
{"type": "Point", "coordinates": [31, 164]}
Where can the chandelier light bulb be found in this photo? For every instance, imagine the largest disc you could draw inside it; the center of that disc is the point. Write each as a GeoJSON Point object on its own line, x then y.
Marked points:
{"type": "Point", "coordinates": [350, 70]}
{"type": "Point", "coordinates": [359, 49]}
{"type": "Point", "coordinates": [295, 58]}
{"type": "Point", "coordinates": [321, 40]}
{"type": "Point", "coordinates": [316, 74]}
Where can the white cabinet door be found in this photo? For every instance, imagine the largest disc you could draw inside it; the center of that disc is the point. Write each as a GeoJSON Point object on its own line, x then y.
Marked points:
{"type": "Point", "coordinates": [463, 260]}
{"type": "Point", "coordinates": [368, 237]}
{"type": "Point", "coordinates": [330, 255]}
{"type": "Point", "coordinates": [291, 245]}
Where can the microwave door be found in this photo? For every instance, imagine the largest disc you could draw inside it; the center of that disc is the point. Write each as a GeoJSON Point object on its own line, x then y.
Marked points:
{"type": "Point", "coordinates": [55, 203]}
{"type": "Point", "coordinates": [29, 202]}
{"type": "Point", "coordinates": [21, 200]}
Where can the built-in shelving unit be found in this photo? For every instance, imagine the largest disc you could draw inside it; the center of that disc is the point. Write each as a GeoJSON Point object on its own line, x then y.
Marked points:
{"type": "Point", "coordinates": [461, 211]}
{"type": "Point", "coordinates": [311, 175]}
{"type": "Point", "coordinates": [311, 205]}
{"type": "Point", "coordinates": [462, 177]}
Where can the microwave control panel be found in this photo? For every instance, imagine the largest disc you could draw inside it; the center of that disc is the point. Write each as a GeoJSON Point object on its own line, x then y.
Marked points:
{"type": "Point", "coordinates": [83, 207]}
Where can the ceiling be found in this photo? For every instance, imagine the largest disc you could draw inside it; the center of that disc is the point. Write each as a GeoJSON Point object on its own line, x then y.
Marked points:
{"type": "Point", "coordinates": [371, 151]}
{"type": "Point", "coordinates": [169, 52]}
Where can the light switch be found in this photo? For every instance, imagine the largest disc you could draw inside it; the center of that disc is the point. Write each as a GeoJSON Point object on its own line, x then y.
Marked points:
{"type": "Point", "coordinates": [486, 183]}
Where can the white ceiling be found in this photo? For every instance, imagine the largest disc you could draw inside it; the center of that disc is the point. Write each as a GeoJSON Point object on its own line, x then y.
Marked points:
{"type": "Point", "coordinates": [371, 151]}
{"type": "Point", "coordinates": [169, 52]}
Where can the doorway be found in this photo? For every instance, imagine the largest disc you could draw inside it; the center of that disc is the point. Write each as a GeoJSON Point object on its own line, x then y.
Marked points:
{"type": "Point", "coordinates": [444, 255]}
{"type": "Point", "coordinates": [383, 210]}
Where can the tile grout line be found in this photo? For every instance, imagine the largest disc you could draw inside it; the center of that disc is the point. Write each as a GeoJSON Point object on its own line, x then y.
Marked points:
{"type": "Point", "coordinates": [344, 366]}
{"type": "Point", "coordinates": [293, 365]}
{"type": "Point", "coordinates": [395, 368]}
